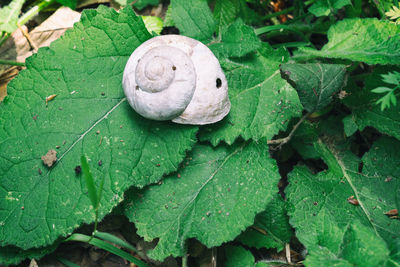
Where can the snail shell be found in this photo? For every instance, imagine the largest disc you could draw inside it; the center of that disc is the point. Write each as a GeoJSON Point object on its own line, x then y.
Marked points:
{"type": "Point", "coordinates": [173, 77]}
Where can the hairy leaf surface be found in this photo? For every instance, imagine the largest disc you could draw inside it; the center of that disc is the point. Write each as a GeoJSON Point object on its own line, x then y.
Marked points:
{"type": "Point", "coordinates": [262, 102]}
{"type": "Point", "coordinates": [315, 83]}
{"type": "Point", "coordinates": [368, 40]}
{"type": "Point", "coordinates": [217, 188]}
{"type": "Point", "coordinates": [321, 208]}
{"type": "Point", "coordinates": [237, 40]}
{"type": "Point", "coordinates": [271, 227]}
{"type": "Point", "coordinates": [90, 116]}
{"type": "Point", "coordinates": [193, 18]}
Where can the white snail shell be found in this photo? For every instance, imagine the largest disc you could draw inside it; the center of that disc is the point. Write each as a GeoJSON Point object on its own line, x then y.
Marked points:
{"type": "Point", "coordinates": [173, 77]}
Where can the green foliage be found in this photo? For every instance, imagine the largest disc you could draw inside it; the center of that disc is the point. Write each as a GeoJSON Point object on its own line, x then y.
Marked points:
{"type": "Point", "coordinates": [262, 102]}
{"type": "Point", "coordinates": [193, 18]}
{"type": "Point", "coordinates": [237, 40]}
{"type": "Point", "coordinates": [315, 83]}
{"type": "Point", "coordinates": [140, 4]}
{"type": "Point", "coordinates": [367, 40]}
{"type": "Point", "coordinates": [238, 257]}
{"type": "Point", "coordinates": [68, 3]}
{"type": "Point", "coordinates": [366, 112]}
{"type": "Point", "coordinates": [216, 183]}
{"type": "Point", "coordinates": [392, 78]}
{"type": "Point", "coordinates": [217, 188]}
{"type": "Point", "coordinates": [321, 212]}
{"type": "Point", "coordinates": [40, 204]}
{"type": "Point", "coordinates": [394, 14]}
{"type": "Point", "coordinates": [271, 228]}
{"type": "Point", "coordinates": [153, 24]}
{"type": "Point", "coordinates": [326, 7]}
{"type": "Point", "coordinates": [9, 16]}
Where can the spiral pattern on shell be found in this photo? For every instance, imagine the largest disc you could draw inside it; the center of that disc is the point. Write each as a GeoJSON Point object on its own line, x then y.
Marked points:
{"type": "Point", "coordinates": [176, 78]}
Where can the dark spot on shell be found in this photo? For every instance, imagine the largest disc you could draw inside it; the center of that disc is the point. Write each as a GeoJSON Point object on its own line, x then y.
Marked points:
{"type": "Point", "coordinates": [219, 83]}
{"type": "Point", "coordinates": [137, 87]}
{"type": "Point", "coordinates": [173, 68]}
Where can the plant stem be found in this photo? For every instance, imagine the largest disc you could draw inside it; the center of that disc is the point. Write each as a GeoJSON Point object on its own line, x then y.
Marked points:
{"type": "Point", "coordinates": [184, 260]}
{"type": "Point", "coordinates": [11, 63]}
{"type": "Point", "coordinates": [280, 142]}
{"type": "Point", "coordinates": [34, 11]}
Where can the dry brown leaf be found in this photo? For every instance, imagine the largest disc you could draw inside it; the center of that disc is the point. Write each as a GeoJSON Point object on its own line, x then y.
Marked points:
{"type": "Point", "coordinates": [17, 48]}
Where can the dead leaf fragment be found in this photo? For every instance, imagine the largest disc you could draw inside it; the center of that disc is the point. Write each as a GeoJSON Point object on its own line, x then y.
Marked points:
{"type": "Point", "coordinates": [49, 98]}
{"type": "Point", "coordinates": [50, 158]}
{"type": "Point", "coordinates": [393, 212]}
{"type": "Point", "coordinates": [353, 201]}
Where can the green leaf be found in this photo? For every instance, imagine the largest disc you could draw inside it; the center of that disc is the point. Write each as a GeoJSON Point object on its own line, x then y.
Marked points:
{"type": "Point", "coordinates": [274, 222]}
{"type": "Point", "coordinates": [368, 40]}
{"type": "Point", "coordinates": [350, 126]}
{"type": "Point", "coordinates": [366, 112]}
{"type": "Point", "coordinates": [90, 185]}
{"type": "Point", "coordinates": [391, 78]}
{"type": "Point", "coordinates": [238, 257]}
{"type": "Point", "coordinates": [140, 4]}
{"type": "Point", "coordinates": [225, 12]}
{"type": "Point", "coordinates": [153, 24]}
{"type": "Point", "coordinates": [319, 207]}
{"type": "Point", "coordinates": [303, 141]}
{"type": "Point", "coordinates": [69, 3]}
{"type": "Point", "coordinates": [13, 255]}
{"type": "Point", "coordinates": [360, 246]}
{"type": "Point", "coordinates": [262, 102]}
{"type": "Point", "coordinates": [326, 7]}
{"type": "Point", "coordinates": [90, 116]}
{"type": "Point", "coordinates": [213, 197]}
{"type": "Point", "coordinates": [9, 16]}
{"type": "Point", "coordinates": [315, 83]}
{"type": "Point", "coordinates": [193, 18]}
{"type": "Point", "coordinates": [237, 40]}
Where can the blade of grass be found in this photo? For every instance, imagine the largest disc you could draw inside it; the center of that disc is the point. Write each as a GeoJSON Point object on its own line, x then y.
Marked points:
{"type": "Point", "coordinates": [89, 182]}
{"type": "Point", "coordinates": [11, 63]}
{"type": "Point", "coordinates": [67, 262]}
{"type": "Point", "coordinates": [106, 246]}
{"type": "Point", "coordinates": [113, 239]}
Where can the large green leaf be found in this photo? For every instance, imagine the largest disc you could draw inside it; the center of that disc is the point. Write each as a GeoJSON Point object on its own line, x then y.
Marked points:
{"type": "Point", "coordinates": [213, 197]}
{"type": "Point", "coordinates": [89, 115]}
{"type": "Point", "coordinates": [193, 18]}
{"type": "Point", "coordinates": [326, 7]}
{"type": "Point", "coordinates": [271, 227]}
{"type": "Point", "coordinates": [315, 83]}
{"type": "Point", "coordinates": [13, 255]}
{"type": "Point", "coordinates": [365, 111]}
{"type": "Point", "coordinates": [368, 40]}
{"type": "Point", "coordinates": [320, 209]}
{"type": "Point", "coordinates": [262, 102]}
{"type": "Point", "coordinates": [237, 40]}
{"type": "Point", "coordinates": [360, 246]}
{"type": "Point", "coordinates": [9, 16]}
{"type": "Point", "coordinates": [225, 12]}
{"type": "Point", "coordinates": [240, 257]}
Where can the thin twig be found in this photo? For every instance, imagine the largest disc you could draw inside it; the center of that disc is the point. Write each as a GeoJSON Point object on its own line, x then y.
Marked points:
{"type": "Point", "coordinates": [28, 38]}
{"type": "Point", "coordinates": [280, 142]}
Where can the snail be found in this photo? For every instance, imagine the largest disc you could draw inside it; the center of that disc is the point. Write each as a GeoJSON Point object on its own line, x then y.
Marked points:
{"type": "Point", "coordinates": [173, 77]}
